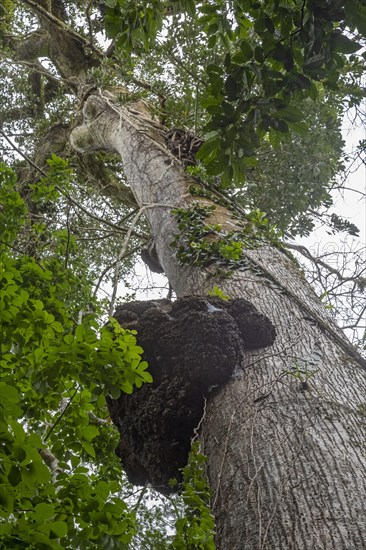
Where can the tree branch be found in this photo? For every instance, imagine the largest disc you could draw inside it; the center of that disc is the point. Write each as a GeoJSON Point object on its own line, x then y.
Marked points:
{"type": "Point", "coordinates": [124, 248]}
{"type": "Point", "coordinates": [61, 25]}
{"type": "Point", "coordinates": [68, 197]}
{"type": "Point", "coordinates": [317, 261]}
{"type": "Point", "coordinates": [52, 462]}
{"type": "Point", "coordinates": [23, 155]}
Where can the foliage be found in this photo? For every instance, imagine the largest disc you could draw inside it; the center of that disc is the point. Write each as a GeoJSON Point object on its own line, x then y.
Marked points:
{"type": "Point", "coordinates": [263, 59]}
{"type": "Point", "coordinates": [296, 174]}
{"type": "Point", "coordinates": [58, 365]}
{"type": "Point", "coordinates": [202, 243]}
{"type": "Point", "coordinates": [283, 150]}
{"type": "Point", "coordinates": [196, 62]}
{"type": "Point", "coordinates": [266, 84]}
{"type": "Point", "coordinates": [217, 292]}
{"type": "Point", "coordinates": [196, 529]}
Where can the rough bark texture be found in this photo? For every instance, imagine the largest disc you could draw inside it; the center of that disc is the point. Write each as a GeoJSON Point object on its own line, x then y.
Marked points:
{"type": "Point", "coordinates": [287, 448]}
{"type": "Point", "coordinates": [285, 438]}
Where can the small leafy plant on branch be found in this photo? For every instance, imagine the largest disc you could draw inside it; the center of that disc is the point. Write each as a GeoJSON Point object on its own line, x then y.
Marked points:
{"type": "Point", "coordinates": [201, 243]}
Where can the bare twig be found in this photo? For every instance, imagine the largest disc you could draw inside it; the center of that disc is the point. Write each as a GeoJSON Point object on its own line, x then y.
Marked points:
{"type": "Point", "coordinates": [90, 26]}
{"type": "Point", "coordinates": [125, 244]}
{"type": "Point", "coordinates": [317, 261]}
{"type": "Point", "coordinates": [180, 63]}
{"type": "Point", "coordinates": [62, 414]}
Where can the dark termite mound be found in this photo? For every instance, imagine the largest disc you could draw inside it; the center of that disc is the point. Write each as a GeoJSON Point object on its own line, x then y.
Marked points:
{"type": "Point", "coordinates": [192, 345]}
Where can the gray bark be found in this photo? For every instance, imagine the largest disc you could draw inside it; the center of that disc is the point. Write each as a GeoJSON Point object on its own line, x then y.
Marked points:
{"type": "Point", "coordinates": [285, 438]}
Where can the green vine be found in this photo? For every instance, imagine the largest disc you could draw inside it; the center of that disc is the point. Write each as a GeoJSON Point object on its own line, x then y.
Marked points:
{"type": "Point", "coordinates": [196, 529]}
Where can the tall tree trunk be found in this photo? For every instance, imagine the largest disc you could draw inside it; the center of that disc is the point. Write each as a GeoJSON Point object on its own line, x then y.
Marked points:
{"type": "Point", "coordinates": [285, 436]}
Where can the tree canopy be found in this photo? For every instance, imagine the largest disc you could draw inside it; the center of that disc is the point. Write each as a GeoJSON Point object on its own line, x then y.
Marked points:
{"type": "Point", "coordinates": [252, 95]}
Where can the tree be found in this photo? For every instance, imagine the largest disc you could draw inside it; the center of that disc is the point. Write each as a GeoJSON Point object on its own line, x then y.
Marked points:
{"type": "Point", "coordinates": [282, 431]}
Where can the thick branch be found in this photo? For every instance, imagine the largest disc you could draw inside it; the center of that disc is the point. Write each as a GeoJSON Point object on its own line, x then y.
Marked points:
{"type": "Point", "coordinates": [61, 25]}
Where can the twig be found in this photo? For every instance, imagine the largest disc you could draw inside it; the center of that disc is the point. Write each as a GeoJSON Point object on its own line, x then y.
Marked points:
{"type": "Point", "coordinates": [180, 63]}
{"type": "Point", "coordinates": [62, 414]}
{"type": "Point", "coordinates": [357, 321]}
{"type": "Point", "coordinates": [125, 244]}
{"type": "Point", "coordinates": [141, 496]}
{"type": "Point", "coordinates": [68, 237]}
{"type": "Point", "coordinates": [19, 252]}
{"type": "Point", "coordinates": [66, 195]}
{"type": "Point", "coordinates": [90, 26]}
{"type": "Point", "coordinates": [105, 271]}
{"type": "Point", "coordinates": [143, 84]}
{"type": "Point", "coordinates": [317, 261]}
{"type": "Point", "coordinates": [22, 154]}
{"type": "Point", "coordinates": [94, 217]}
{"type": "Point", "coordinates": [35, 66]}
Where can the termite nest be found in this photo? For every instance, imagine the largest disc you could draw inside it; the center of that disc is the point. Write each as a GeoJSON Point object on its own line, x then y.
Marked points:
{"type": "Point", "coordinates": [192, 346]}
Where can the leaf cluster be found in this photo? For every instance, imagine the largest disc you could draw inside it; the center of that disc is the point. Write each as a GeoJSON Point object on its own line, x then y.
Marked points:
{"type": "Point", "coordinates": [196, 529]}
{"type": "Point", "coordinates": [264, 58]}
{"type": "Point", "coordinates": [266, 85]}
{"type": "Point", "coordinates": [58, 365]}
{"type": "Point", "coordinates": [202, 243]}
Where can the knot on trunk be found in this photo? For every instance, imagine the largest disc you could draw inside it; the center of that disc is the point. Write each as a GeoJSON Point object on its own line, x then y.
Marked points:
{"type": "Point", "coordinates": [193, 346]}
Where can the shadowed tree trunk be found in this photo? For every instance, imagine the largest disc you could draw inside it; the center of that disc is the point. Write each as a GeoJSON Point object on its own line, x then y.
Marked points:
{"type": "Point", "coordinates": [284, 437]}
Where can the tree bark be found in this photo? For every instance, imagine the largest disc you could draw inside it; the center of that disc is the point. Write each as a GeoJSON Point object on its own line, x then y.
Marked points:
{"type": "Point", "coordinates": [285, 437]}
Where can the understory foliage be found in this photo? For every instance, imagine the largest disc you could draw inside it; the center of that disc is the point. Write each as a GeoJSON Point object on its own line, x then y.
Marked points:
{"type": "Point", "coordinates": [57, 366]}
{"type": "Point", "coordinates": [265, 86]}
{"type": "Point", "coordinates": [61, 482]}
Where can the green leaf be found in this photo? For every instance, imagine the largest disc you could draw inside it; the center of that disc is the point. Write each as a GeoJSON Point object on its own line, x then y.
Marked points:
{"type": "Point", "coordinates": [146, 376]}
{"type": "Point", "coordinates": [88, 447]}
{"type": "Point", "coordinates": [57, 327]}
{"type": "Point", "coordinates": [301, 128]}
{"type": "Point", "coordinates": [9, 399]}
{"type": "Point", "coordinates": [6, 497]}
{"type": "Point", "coordinates": [214, 69]}
{"type": "Point", "coordinates": [14, 476]}
{"type": "Point", "coordinates": [341, 43]}
{"type": "Point", "coordinates": [208, 147]}
{"type": "Point", "coordinates": [246, 50]}
{"type": "Point", "coordinates": [19, 453]}
{"type": "Point", "coordinates": [259, 54]}
{"type": "Point", "coordinates": [80, 332]}
{"type": "Point", "coordinates": [58, 529]}
{"type": "Point", "coordinates": [103, 490]}
{"type": "Point", "coordinates": [89, 432]}
{"type": "Point", "coordinates": [290, 114]}
{"type": "Point", "coordinates": [68, 339]}
{"type": "Point", "coordinates": [39, 472]}
{"type": "Point", "coordinates": [44, 511]}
